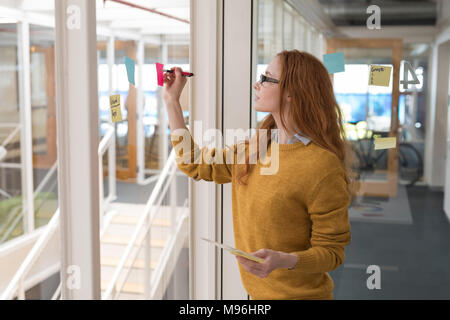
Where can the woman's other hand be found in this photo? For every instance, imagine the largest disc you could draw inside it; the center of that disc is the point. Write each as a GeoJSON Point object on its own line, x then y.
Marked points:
{"type": "Point", "coordinates": [173, 84]}
{"type": "Point", "coordinates": [272, 260]}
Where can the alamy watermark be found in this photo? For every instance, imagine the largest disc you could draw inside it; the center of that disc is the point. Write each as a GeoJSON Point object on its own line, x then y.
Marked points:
{"type": "Point", "coordinates": [213, 138]}
{"type": "Point", "coordinates": [374, 21]}
{"type": "Point", "coordinates": [73, 17]}
{"type": "Point", "coordinates": [73, 281]}
{"type": "Point", "coordinates": [374, 281]}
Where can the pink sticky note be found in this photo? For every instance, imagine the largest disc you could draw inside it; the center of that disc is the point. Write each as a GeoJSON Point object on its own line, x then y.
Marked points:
{"type": "Point", "coordinates": [159, 74]}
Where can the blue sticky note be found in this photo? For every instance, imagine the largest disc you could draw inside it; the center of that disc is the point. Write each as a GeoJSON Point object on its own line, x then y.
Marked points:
{"type": "Point", "coordinates": [129, 63]}
{"type": "Point", "coordinates": [334, 62]}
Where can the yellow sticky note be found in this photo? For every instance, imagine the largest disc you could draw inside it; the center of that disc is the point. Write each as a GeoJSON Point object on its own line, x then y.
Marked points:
{"type": "Point", "coordinates": [114, 100]}
{"type": "Point", "coordinates": [237, 252]}
{"type": "Point", "coordinates": [380, 76]}
{"type": "Point", "coordinates": [116, 114]}
{"type": "Point", "coordinates": [385, 143]}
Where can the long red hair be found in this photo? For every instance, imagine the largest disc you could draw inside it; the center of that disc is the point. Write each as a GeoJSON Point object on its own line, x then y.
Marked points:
{"type": "Point", "coordinates": [313, 108]}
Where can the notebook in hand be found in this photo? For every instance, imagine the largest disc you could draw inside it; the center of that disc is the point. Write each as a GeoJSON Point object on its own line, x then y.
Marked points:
{"type": "Point", "coordinates": [235, 251]}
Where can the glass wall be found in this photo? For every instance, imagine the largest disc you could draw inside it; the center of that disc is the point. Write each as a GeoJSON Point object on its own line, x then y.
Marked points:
{"type": "Point", "coordinates": [163, 40]}
{"type": "Point", "coordinates": [157, 131]}
{"type": "Point", "coordinates": [367, 109]}
{"type": "Point", "coordinates": [10, 158]}
{"type": "Point", "coordinates": [44, 180]}
{"type": "Point", "coordinates": [281, 27]}
{"type": "Point", "coordinates": [122, 32]}
{"type": "Point", "coordinates": [393, 208]}
{"type": "Point", "coordinates": [43, 110]}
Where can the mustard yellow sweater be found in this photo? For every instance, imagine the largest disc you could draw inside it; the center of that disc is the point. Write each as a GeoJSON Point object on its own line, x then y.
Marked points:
{"type": "Point", "coordinates": [302, 210]}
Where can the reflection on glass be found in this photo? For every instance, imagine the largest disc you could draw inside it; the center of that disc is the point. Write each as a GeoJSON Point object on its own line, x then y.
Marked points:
{"type": "Point", "coordinates": [42, 69]}
{"type": "Point", "coordinates": [133, 192]}
{"type": "Point", "coordinates": [280, 27]}
{"type": "Point", "coordinates": [366, 108]}
{"type": "Point", "coordinates": [11, 225]}
{"type": "Point", "coordinates": [177, 56]}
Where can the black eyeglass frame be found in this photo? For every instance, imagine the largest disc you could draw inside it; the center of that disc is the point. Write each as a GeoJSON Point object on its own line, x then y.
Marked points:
{"type": "Point", "coordinates": [263, 79]}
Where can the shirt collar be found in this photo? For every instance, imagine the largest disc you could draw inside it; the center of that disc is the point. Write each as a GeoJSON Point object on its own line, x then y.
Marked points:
{"type": "Point", "coordinates": [302, 138]}
{"type": "Point", "coordinates": [297, 136]}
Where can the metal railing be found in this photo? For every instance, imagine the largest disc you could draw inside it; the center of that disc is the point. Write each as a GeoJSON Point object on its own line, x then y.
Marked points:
{"type": "Point", "coordinates": [18, 217]}
{"type": "Point", "coordinates": [5, 142]}
{"type": "Point", "coordinates": [165, 179]}
{"type": "Point", "coordinates": [16, 130]}
{"type": "Point", "coordinates": [144, 224]}
{"type": "Point", "coordinates": [16, 285]}
{"type": "Point", "coordinates": [108, 143]}
{"type": "Point", "coordinates": [17, 282]}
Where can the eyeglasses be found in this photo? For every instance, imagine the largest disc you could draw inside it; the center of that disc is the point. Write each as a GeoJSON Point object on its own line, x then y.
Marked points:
{"type": "Point", "coordinates": [263, 79]}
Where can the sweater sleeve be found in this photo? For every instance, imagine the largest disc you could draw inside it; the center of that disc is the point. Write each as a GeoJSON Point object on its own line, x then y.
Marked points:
{"type": "Point", "coordinates": [330, 231]}
{"type": "Point", "coordinates": [202, 164]}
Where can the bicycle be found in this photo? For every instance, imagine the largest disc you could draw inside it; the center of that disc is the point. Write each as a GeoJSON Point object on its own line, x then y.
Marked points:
{"type": "Point", "coordinates": [410, 165]}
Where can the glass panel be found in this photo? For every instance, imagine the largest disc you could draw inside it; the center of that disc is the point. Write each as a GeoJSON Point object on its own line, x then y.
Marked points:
{"type": "Point", "coordinates": [367, 109]}
{"type": "Point", "coordinates": [133, 194]}
{"type": "Point", "coordinates": [412, 106]}
{"type": "Point", "coordinates": [126, 129]}
{"type": "Point", "coordinates": [288, 27]}
{"type": "Point", "coordinates": [103, 83]}
{"type": "Point", "coordinates": [103, 103]}
{"type": "Point", "coordinates": [42, 69]}
{"type": "Point", "coordinates": [178, 56]}
{"type": "Point", "coordinates": [152, 104]}
{"type": "Point", "coordinates": [154, 109]}
{"type": "Point", "coordinates": [280, 27]}
{"type": "Point", "coordinates": [11, 224]}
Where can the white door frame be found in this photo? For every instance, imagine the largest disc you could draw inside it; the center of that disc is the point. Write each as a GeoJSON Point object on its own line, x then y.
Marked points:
{"type": "Point", "coordinates": [220, 56]}
{"type": "Point", "coordinates": [78, 139]}
{"type": "Point", "coordinates": [26, 136]}
{"type": "Point", "coordinates": [205, 103]}
{"type": "Point", "coordinates": [237, 95]}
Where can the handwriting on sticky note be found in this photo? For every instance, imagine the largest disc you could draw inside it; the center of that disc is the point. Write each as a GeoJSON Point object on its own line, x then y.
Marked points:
{"type": "Point", "coordinates": [380, 76]}
{"type": "Point", "coordinates": [114, 100]}
{"type": "Point", "coordinates": [116, 114]}
{"type": "Point", "coordinates": [385, 143]}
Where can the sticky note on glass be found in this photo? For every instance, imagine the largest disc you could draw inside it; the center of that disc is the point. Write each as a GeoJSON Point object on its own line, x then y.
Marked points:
{"type": "Point", "coordinates": [385, 143]}
{"type": "Point", "coordinates": [334, 62]}
{"type": "Point", "coordinates": [114, 102]}
{"type": "Point", "coordinates": [129, 63]}
{"type": "Point", "coordinates": [235, 251]}
{"type": "Point", "coordinates": [379, 76]}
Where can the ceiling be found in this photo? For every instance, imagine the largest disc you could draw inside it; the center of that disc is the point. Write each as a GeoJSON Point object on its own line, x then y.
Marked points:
{"type": "Point", "coordinates": [393, 12]}
{"type": "Point", "coordinates": [122, 17]}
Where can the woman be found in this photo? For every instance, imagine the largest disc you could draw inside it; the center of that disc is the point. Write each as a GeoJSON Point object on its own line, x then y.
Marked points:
{"type": "Point", "coordinates": [296, 219]}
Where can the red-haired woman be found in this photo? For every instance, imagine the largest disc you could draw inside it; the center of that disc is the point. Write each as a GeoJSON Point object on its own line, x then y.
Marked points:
{"type": "Point", "coordinates": [295, 219]}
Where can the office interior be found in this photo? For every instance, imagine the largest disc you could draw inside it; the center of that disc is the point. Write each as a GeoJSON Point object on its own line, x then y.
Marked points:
{"type": "Point", "coordinates": [96, 209]}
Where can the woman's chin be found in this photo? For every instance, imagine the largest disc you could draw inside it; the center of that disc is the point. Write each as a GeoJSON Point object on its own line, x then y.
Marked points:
{"type": "Point", "coordinates": [258, 108]}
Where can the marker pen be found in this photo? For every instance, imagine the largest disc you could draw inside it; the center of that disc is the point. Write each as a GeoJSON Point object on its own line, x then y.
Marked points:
{"type": "Point", "coordinates": [188, 74]}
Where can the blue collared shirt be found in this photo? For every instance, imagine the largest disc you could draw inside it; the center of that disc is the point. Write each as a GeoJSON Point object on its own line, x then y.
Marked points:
{"type": "Point", "coordinates": [296, 137]}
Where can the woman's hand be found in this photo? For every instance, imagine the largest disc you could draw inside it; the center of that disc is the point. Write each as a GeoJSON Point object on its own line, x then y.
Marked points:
{"type": "Point", "coordinates": [173, 84]}
{"type": "Point", "coordinates": [272, 260]}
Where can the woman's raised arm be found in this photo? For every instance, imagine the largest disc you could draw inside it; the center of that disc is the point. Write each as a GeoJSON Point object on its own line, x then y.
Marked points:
{"type": "Point", "coordinates": [194, 162]}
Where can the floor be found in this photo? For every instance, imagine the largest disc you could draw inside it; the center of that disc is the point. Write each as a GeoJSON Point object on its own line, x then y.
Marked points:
{"type": "Point", "coordinates": [134, 193]}
{"type": "Point", "coordinates": [414, 259]}
{"type": "Point", "coordinates": [413, 255]}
